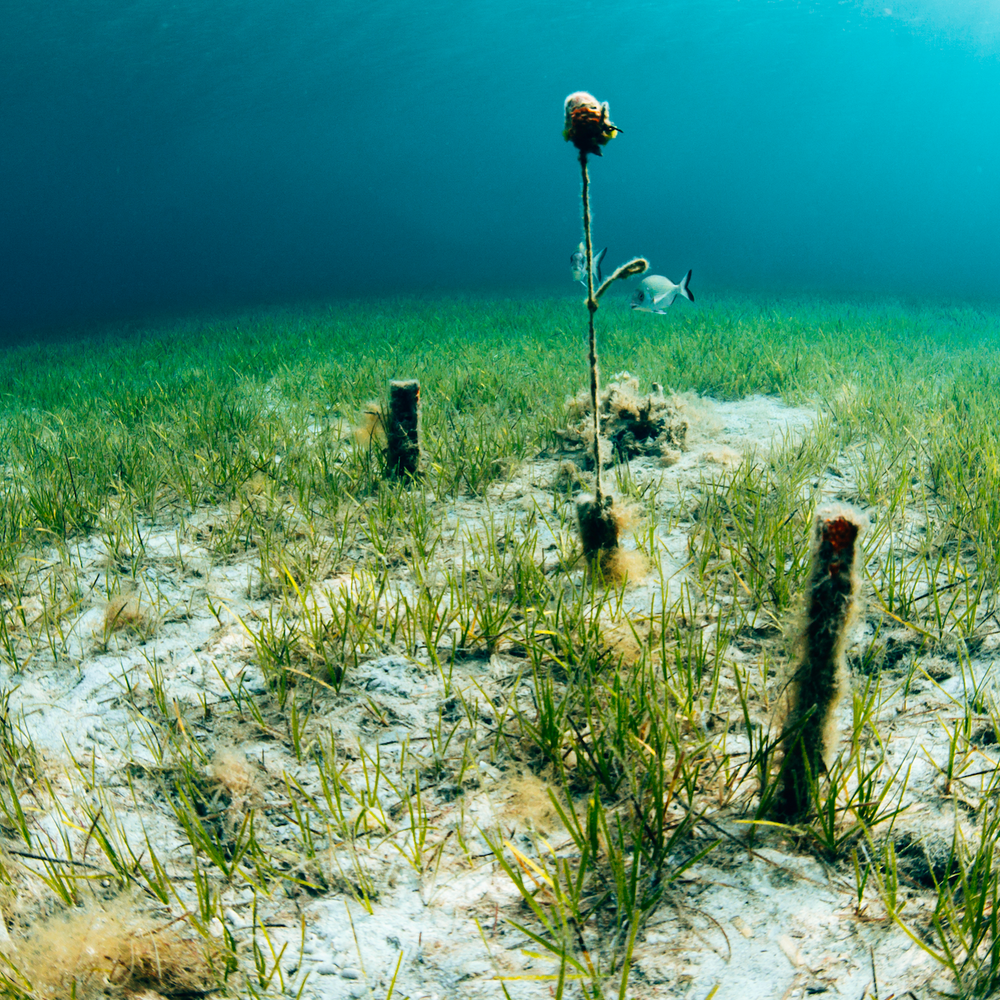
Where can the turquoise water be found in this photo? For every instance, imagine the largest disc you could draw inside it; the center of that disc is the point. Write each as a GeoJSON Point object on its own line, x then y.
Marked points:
{"type": "Point", "coordinates": [161, 157]}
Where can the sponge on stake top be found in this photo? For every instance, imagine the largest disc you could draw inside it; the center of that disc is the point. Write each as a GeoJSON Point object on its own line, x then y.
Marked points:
{"type": "Point", "coordinates": [587, 125]}
{"type": "Point", "coordinates": [820, 675]}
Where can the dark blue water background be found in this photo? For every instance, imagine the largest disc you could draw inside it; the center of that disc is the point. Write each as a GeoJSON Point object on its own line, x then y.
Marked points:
{"type": "Point", "coordinates": [161, 157]}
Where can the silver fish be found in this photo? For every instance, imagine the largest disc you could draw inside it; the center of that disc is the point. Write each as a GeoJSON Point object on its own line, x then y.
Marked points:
{"type": "Point", "coordinates": [655, 293]}
{"type": "Point", "coordinates": [579, 264]}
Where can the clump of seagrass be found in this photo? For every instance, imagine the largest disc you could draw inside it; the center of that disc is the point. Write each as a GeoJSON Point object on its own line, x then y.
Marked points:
{"type": "Point", "coordinates": [402, 429]}
{"type": "Point", "coordinates": [632, 424]}
{"type": "Point", "coordinates": [588, 126]}
{"type": "Point", "coordinates": [820, 674]}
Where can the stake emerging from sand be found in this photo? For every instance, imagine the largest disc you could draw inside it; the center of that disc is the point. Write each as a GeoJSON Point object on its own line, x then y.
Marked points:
{"type": "Point", "coordinates": [403, 428]}
{"type": "Point", "coordinates": [588, 127]}
{"type": "Point", "coordinates": [820, 676]}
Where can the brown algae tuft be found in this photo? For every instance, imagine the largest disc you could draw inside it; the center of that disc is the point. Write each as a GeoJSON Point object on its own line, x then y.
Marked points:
{"type": "Point", "coordinates": [631, 424]}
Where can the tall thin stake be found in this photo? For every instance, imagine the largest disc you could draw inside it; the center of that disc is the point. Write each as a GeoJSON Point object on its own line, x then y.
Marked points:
{"type": "Point", "coordinates": [592, 308]}
{"type": "Point", "coordinates": [587, 126]}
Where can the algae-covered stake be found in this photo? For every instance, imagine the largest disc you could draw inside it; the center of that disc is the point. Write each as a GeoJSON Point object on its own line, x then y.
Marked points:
{"type": "Point", "coordinates": [402, 429]}
{"type": "Point", "coordinates": [820, 675]}
{"type": "Point", "coordinates": [588, 127]}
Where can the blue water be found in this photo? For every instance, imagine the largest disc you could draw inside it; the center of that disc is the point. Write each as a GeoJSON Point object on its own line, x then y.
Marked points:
{"type": "Point", "coordinates": [161, 157]}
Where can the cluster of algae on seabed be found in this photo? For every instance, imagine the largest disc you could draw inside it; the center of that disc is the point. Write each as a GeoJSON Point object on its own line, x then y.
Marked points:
{"type": "Point", "coordinates": [248, 677]}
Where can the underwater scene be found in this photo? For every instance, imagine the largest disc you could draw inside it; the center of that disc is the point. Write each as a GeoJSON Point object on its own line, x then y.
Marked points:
{"type": "Point", "coordinates": [500, 500]}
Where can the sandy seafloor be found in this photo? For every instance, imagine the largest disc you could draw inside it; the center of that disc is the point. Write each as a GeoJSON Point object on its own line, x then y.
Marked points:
{"type": "Point", "coordinates": [773, 922]}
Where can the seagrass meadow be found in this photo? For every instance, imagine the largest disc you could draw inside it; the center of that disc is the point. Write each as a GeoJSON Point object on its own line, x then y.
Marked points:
{"type": "Point", "coordinates": [277, 724]}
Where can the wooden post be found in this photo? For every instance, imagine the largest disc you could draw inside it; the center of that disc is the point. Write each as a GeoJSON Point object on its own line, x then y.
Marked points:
{"type": "Point", "coordinates": [403, 428]}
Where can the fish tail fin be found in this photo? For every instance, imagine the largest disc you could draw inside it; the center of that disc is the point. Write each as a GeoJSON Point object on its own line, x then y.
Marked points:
{"type": "Point", "coordinates": [597, 264]}
{"type": "Point", "coordinates": [684, 290]}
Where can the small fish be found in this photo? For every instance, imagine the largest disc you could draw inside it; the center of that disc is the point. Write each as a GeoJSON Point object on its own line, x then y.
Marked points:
{"type": "Point", "coordinates": [579, 264]}
{"type": "Point", "coordinates": [655, 293]}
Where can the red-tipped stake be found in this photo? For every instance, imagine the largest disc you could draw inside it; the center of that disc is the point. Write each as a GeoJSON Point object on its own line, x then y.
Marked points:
{"type": "Point", "coordinates": [820, 676]}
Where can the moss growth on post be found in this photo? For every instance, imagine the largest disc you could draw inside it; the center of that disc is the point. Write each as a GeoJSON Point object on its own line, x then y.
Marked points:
{"type": "Point", "coordinates": [403, 428]}
{"type": "Point", "coordinates": [598, 527]}
{"type": "Point", "coordinates": [820, 674]}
